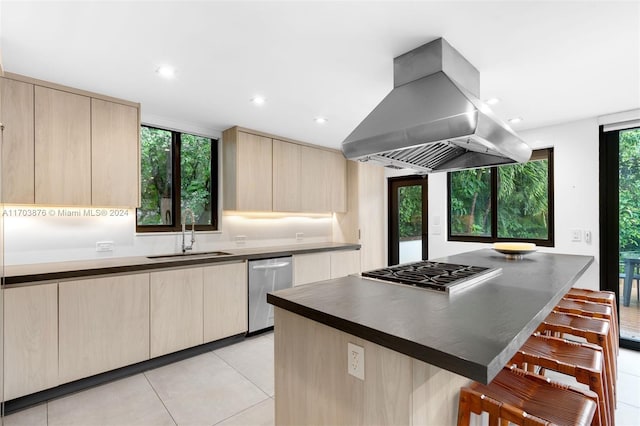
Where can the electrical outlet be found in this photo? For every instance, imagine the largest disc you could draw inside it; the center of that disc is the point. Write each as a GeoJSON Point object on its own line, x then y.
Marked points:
{"type": "Point", "coordinates": [576, 235]}
{"type": "Point", "coordinates": [355, 360]}
{"type": "Point", "coordinates": [587, 237]}
{"type": "Point", "coordinates": [241, 239]}
{"type": "Point", "coordinates": [104, 246]}
{"type": "Point", "coordinates": [299, 236]}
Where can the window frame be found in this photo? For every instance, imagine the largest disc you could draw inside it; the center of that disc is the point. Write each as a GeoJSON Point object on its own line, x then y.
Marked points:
{"type": "Point", "coordinates": [176, 190]}
{"type": "Point", "coordinates": [549, 242]}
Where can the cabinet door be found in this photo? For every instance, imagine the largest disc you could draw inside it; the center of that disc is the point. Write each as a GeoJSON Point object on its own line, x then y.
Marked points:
{"type": "Point", "coordinates": [176, 310]}
{"type": "Point", "coordinates": [315, 181]}
{"type": "Point", "coordinates": [62, 148]}
{"type": "Point", "coordinates": [254, 173]}
{"type": "Point", "coordinates": [225, 301]}
{"type": "Point", "coordinates": [286, 176]}
{"type": "Point", "coordinates": [345, 262]}
{"type": "Point", "coordinates": [104, 324]}
{"type": "Point", "coordinates": [31, 339]}
{"type": "Point", "coordinates": [17, 142]}
{"type": "Point", "coordinates": [309, 268]}
{"type": "Point", "coordinates": [338, 181]}
{"type": "Point", "coordinates": [114, 154]}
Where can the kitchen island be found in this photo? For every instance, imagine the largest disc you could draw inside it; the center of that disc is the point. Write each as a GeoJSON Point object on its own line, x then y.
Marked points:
{"type": "Point", "coordinates": [420, 346]}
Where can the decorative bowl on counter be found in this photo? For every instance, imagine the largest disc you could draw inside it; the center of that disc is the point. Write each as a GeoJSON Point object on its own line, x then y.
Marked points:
{"type": "Point", "coordinates": [514, 250]}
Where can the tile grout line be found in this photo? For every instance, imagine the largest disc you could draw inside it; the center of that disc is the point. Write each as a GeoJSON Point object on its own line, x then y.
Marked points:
{"type": "Point", "coordinates": [161, 401]}
{"type": "Point", "coordinates": [240, 373]}
{"type": "Point", "coordinates": [242, 411]}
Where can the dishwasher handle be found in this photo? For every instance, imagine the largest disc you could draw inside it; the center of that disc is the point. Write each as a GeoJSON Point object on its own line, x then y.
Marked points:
{"type": "Point", "coordinates": [272, 265]}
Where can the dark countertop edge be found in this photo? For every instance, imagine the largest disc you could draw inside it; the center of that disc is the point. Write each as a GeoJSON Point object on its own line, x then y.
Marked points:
{"type": "Point", "coordinates": [407, 347]}
{"type": "Point", "coordinates": [499, 362]}
{"type": "Point", "coordinates": [169, 263]}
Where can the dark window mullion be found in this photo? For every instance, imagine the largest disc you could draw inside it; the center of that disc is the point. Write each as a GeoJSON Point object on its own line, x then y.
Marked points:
{"type": "Point", "coordinates": [494, 202]}
{"type": "Point", "coordinates": [176, 181]}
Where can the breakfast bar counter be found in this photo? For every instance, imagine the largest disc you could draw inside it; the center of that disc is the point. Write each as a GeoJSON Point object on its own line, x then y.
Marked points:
{"type": "Point", "coordinates": [419, 345]}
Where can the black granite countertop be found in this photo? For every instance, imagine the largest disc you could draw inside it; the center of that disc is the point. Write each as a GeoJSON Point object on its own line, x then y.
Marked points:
{"type": "Point", "coordinates": [473, 332]}
{"type": "Point", "coordinates": [33, 273]}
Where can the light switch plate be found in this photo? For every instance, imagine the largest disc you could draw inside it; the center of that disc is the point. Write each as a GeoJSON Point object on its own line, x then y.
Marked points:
{"type": "Point", "coordinates": [576, 235]}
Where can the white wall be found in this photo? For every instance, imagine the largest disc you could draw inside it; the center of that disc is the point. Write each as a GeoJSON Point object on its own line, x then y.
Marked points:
{"type": "Point", "coordinates": [54, 237]}
{"type": "Point", "coordinates": [575, 194]}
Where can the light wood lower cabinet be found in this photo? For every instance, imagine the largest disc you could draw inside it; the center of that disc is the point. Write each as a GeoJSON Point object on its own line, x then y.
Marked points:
{"type": "Point", "coordinates": [176, 310]}
{"type": "Point", "coordinates": [345, 262]}
{"type": "Point", "coordinates": [312, 267]}
{"type": "Point", "coordinates": [225, 301]}
{"type": "Point", "coordinates": [104, 324]}
{"type": "Point", "coordinates": [31, 339]}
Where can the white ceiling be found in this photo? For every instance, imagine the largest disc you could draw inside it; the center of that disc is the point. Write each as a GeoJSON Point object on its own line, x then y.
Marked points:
{"type": "Point", "coordinates": [549, 62]}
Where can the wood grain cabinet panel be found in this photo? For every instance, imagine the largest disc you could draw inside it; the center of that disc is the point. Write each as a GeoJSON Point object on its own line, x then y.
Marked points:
{"type": "Point", "coordinates": [286, 176]}
{"type": "Point", "coordinates": [225, 301]}
{"type": "Point", "coordinates": [17, 141]}
{"type": "Point", "coordinates": [315, 180]}
{"type": "Point", "coordinates": [345, 262]}
{"type": "Point", "coordinates": [176, 310]}
{"type": "Point", "coordinates": [114, 154]}
{"type": "Point", "coordinates": [31, 339]}
{"type": "Point", "coordinates": [247, 171]}
{"type": "Point", "coordinates": [62, 147]}
{"type": "Point", "coordinates": [337, 166]}
{"type": "Point", "coordinates": [309, 268]}
{"type": "Point", "coordinates": [104, 324]}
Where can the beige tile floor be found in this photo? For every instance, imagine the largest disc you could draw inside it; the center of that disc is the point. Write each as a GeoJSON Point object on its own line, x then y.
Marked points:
{"type": "Point", "coordinates": [229, 386]}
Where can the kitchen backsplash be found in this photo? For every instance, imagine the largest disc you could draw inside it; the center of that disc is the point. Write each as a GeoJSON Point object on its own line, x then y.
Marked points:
{"type": "Point", "coordinates": [35, 235]}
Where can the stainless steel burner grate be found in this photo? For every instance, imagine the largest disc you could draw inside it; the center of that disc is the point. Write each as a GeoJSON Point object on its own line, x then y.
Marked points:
{"type": "Point", "coordinates": [439, 276]}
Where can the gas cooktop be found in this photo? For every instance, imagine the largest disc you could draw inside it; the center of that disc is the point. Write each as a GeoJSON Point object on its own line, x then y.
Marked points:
{"type": "Point", "coordinates": [439, 276]}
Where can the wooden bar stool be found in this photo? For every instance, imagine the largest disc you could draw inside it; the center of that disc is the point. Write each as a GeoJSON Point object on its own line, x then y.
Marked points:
{"type": "Point", "coordinates": [601, 296]}
{"type": "Point", "coordinates": [583, 361]}
{"type": "Point", "coordinates": [524, 398]}
{"type": "Point", "coordinates": [594, 330]}
{"type": "Point", "coordinates": [590, 309]}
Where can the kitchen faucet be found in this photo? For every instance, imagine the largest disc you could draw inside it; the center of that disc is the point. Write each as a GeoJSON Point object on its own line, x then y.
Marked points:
{"type": "Point", "coordinates": [193, 229]}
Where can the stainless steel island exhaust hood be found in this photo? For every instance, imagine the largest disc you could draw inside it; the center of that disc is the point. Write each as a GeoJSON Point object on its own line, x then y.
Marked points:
{"type": "Point", "coordinates": [432, 120]}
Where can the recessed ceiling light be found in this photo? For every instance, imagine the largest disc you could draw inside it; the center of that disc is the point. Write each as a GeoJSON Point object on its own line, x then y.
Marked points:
{"type": "Point", "coordinates": [166, 71]}
{"type": "Point", "coordinates": [258, 100]}
{"type": "Point", "coordinates": [515, 120]}
{"type": "Point", "coordinates": [320, 120]}
{"type": "Point", "coordinates": [492, 101]}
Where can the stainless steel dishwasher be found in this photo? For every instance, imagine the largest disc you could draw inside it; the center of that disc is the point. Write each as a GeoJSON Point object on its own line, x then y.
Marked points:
{"type": "Point", "coordinates": [266, 275]}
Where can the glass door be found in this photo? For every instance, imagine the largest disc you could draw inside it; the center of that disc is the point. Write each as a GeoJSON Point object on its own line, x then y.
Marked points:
{"type": "Point", "coordinates": [407, 219]}
{"type": "Point", "coordinates": [620, 227]}
{"type": "Point", "coordinates": [629, 234]}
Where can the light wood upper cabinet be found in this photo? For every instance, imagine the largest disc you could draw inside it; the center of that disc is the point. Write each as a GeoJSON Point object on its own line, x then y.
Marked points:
{"type": "Point", "coordinates": [301, 178]}
{"type": "Point", "coordinates": [176, 310]}
{"type": "Point", "coordinates": [247, 171]}
{"type": "Point", "coordinates": [18, 142]}
{"type": "Point", "coordinates": [114, 154]}
{"type": "Point", "coordinates": [62, 147]}
{"type": "Point", "coordinates": [287, 172]}
{"type": "Point", "coordinates": [225, 301]}
{"type": "Point", "coordinates": [315, 180]}
{"type": "Point", "coordinates": [31, 339]}
{"type": "Point", "coordinates": [337, 165]}
{"type": "Point", "coordinates": [104, 324]}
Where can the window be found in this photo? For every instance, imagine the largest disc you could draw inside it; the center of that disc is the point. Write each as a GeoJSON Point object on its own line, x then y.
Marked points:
{"type": "Point", "coordinates": [179, 171]}
{"type": "Point", "coordinates": [503, 203]}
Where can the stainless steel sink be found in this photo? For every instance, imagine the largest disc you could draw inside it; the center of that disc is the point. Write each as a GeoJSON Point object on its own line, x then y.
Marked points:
{"type": "Point", "coordinates": [190, 254]}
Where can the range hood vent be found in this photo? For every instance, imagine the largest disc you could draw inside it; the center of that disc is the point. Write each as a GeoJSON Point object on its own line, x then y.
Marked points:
{"type": "Point", "coordinates": [433, 120]}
